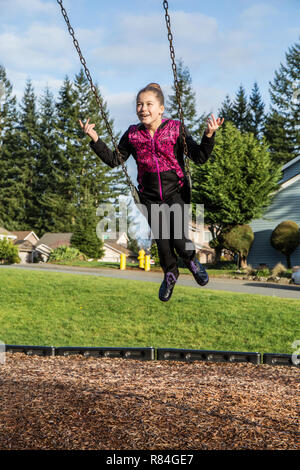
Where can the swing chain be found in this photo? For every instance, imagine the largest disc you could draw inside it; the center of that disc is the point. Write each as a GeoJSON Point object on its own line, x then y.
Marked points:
{"type": "Point", "coordinates": [94, 90]}
{"type": "Point", "coordinates": [176, 82]}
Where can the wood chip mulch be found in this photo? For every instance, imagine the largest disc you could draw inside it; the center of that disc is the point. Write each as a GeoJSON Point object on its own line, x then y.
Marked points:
{"type": "Point", "coordinates": [83, 403]}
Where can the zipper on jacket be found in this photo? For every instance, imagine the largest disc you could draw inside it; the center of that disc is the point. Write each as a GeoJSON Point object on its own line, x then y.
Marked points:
{"type": "Point", "coordinates": [160, 188]}
{"type": "Point", "coordinates": [157, 165]}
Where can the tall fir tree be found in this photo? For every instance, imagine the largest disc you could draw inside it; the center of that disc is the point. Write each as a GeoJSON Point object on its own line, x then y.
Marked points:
{"type": "Point", "coordinates": [282, 127]}
{"type": "Point", "coordinates": [257, 111]}
{"type": "Point", "coordinates": [188, 101]}
{"type": "Point", "coordinates": [84, 236]}
{"type": "Point", "coordinates": [105, 184]}
{"type": "Point", "coordinates": [12, 198]}
{"type": "Point", "coordinates": [69, 158]}
{"type": "Point", "coordinates": [226, 110]}
{"type": "Point", "coordinates": [25, 157]}
{"type": "Point", "coordinates": [241, 111]}
{"type": "Point", "coordinates": [49, 214]}
{"type": "Point", "coordinates": [195, 124]}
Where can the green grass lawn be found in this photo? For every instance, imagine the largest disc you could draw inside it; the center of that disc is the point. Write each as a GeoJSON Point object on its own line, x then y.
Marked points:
{"type": "Point", "coordinates": [61, 309]}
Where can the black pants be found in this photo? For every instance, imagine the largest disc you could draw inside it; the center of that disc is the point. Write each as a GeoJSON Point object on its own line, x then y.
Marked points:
{"type": "Point", "coordinates": [169, 226]}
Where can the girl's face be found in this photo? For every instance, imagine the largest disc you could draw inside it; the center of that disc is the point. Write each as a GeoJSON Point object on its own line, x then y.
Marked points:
{"type": "Point", "coordinates": [148, 109]}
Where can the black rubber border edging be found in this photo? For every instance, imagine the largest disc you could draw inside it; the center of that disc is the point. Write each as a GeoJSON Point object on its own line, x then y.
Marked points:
{"type": "Point", "coordinates": [160, 354]}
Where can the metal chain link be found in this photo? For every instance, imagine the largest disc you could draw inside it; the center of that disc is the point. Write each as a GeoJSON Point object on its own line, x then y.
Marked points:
{"type": "Point", "coordinates": [176, 82]}
{"type": "Point", "coordinates": [98, 99]}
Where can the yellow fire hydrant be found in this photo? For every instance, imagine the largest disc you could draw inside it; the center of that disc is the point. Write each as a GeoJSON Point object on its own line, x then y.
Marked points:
{"type": "Point", "coordinates": [141, 259]}
{"type": "Point", "coordinates": [147, 263]}
{"type": "Point", "coordinates": [123, 261]}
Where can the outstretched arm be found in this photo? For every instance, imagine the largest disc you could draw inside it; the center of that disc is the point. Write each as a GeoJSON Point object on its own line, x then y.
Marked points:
{"type": "Point", "coordinates": [199, 153]}
{"type": "Point", "coordinates": [213, 125]}
{"type": "Point", "coordinates": [108, 156]}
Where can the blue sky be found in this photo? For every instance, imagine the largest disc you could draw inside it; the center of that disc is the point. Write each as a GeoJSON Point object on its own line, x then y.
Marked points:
{"type": "Point", "coordinates": [224, 43]}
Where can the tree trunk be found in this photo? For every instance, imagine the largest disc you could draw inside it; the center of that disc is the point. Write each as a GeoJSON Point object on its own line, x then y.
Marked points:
{"type": "Point", "coordinates": [218, 252]}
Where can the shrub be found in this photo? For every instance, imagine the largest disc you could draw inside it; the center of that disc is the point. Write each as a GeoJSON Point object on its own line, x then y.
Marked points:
{"type": "Point", "coordinates": [8, 252]}
{"type": "Point", "coordinates": [239, 240]}
{"type": "Point", "coordinates": [278, 269]}
{"type": "Point", "coordinates": [64, 252]}
{"type": "Point", "coordinates": [286, 238]}
{"type": "Point", "coordinates": [154, 253]}
{"type": "Point", "coordinates": [263, 273]}
{"type": "Point", "coordinates": [249, 270]}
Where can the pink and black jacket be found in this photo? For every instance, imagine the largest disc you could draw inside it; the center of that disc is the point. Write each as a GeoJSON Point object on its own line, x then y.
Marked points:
{"type": "Point", "coordinates": [159, 159]}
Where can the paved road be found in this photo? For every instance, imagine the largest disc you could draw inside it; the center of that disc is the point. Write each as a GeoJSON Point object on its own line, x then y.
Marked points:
{"type": "Point", "coordinates": [236, 285]}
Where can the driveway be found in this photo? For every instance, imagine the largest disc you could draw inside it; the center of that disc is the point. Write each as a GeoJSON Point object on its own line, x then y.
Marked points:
{"type": "Point", "coordinates": [230, 285]}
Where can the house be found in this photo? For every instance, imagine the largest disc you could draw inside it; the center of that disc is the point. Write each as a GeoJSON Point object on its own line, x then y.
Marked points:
{"type": "Point", "coordinates": [6, 234]}
{"type": "Point", "coordinates": [200, 235]}
{"type": "Point", "coordinates": [25, 241]}
{"type": "Point", "coordinates": [113, 247]}
{"type": "Point", "coordinates": [49, 242]}
{"type": "Point", "coordinates": [285, 206]}
{"type": "Point", "coordinates": [115, 244]}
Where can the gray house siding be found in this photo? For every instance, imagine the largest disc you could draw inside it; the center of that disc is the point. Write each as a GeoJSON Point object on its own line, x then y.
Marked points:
{"type": "Point", "coordinates": [291, 171]}
{"type": "Point", "coordinates": [285, 206]}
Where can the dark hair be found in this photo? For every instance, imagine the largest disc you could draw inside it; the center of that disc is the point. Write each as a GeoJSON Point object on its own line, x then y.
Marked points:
{"type": "Point", "coordinates": [155, 88]}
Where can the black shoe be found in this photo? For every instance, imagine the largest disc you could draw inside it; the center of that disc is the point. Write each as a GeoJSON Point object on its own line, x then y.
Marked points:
{"type": "Point", "coordinates": [198, 271]}
{"type": "Point", "coordinates": [167, 286]}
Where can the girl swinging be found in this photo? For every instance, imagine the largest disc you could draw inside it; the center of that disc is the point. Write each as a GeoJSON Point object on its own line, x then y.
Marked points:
{"type": "Point", "coordinates": [157, 146]}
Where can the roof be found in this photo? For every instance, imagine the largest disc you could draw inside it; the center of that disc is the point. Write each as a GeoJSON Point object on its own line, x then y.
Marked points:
{"type": "Point", "coordinates": [3, 231]}
{"type": "Point", "coordinates": [119, 248]}
{"type": "Point", "coordinates": [22, 235]}
{"type": "Point", "coordinates": [291, 162]}
{"type": "Point", "coordinates": [53, 240]}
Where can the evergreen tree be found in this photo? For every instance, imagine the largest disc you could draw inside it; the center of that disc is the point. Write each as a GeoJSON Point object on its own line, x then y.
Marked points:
{"type": "Point", "coordinates": [28, 151]}
{"type": "Point", "coordinates": [12, 199]}
{"type": "Point", "coordinates": [50, 209]}
{"type": "Point", "coordinates": [257, 112]}
{"type": "Point", "coordinates": [104, 183]}
{"type": "Point", "coordinates": [241, 111]}
{"type": "Point", "coordinates": [226, 110]}
{"type": "Point", "coordinates": [282, 128]}
{"type": "Point", "coordinates": [85, 236]}
{"type": "Point", "coordinates": [69, 159]}
{"type": "Point", "coordinates": [188, 102]}
{"type": "Point", "coordinates": [235, 187]}
{"type": "Point", "coordinates": [195, 125]}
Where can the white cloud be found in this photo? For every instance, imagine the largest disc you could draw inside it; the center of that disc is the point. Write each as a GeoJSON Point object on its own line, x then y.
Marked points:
{"type": "Point", "coordinates": [27, 7]}
{"type": "Point", "coordinates": [44, 48]}
{"type": "Point", "coordinates": [257, 15]}
{"type": "Point", "coordinates": [142, 40]}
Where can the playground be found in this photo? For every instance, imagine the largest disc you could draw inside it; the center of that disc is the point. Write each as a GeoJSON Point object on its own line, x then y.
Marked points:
{"type": "Point", "coordinates": [85, 403]}
{"type": "Point", "coordinates": [58, 398]}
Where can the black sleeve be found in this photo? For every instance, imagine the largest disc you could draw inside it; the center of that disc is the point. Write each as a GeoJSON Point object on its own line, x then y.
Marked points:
{"type": "Point", "coordinates": [111, 157]}
{"type": "Point", "coordinates": [198, 153]}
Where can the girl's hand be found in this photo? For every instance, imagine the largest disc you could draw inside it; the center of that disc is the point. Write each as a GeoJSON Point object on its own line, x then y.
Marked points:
{"type": "Point", "coordinates": [89, 130]}
{"type": "Point", "coordinates": [213, 125]}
